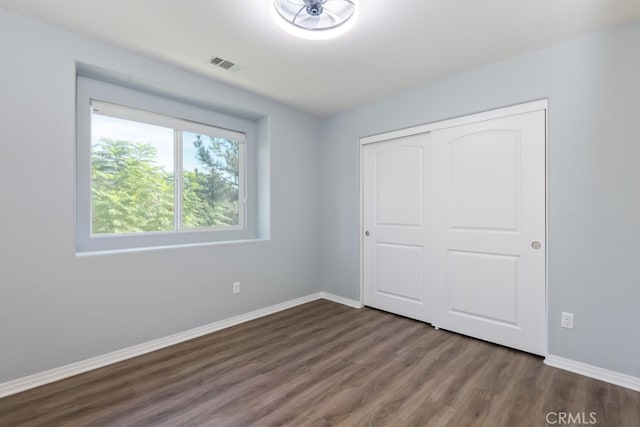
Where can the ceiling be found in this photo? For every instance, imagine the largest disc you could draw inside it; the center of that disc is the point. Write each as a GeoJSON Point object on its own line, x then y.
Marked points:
{"type": "Point", "coordinates": [395, 45]}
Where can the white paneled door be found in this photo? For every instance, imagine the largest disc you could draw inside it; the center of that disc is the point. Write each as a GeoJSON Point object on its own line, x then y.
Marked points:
{"type": "Point", "coordinates": [488, 181]}
{"type": "Point", "coordinates": [396, 226]}
{"type": "Point", "coordinates": [454, 227]}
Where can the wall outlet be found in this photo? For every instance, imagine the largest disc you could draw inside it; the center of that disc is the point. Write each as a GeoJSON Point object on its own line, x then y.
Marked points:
{"type": "Point", "coordinates": [236, 288]}
{"type": "Point", "coordinates": [566, 320]}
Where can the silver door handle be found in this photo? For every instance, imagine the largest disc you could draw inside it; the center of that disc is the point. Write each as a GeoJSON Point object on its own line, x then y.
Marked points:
{"type": "Point", "coordinates": [536, 245]}
{"type": "Point", "coordinates": [366, 233]}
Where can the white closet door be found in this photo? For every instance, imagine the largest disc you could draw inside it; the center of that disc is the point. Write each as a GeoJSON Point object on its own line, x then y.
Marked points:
{"type": "Point", "coordinates": [397, 224]}
{"type": "Point", "coordinates": [488, 189]}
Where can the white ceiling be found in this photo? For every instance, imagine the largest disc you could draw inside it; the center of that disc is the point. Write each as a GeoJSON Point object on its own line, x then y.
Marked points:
{"type": "Point", "coordinates": [395, 45]}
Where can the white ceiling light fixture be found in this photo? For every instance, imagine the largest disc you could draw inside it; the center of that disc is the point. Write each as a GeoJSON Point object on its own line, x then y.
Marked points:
{"type": "Point", "coordinates": [315, 19]}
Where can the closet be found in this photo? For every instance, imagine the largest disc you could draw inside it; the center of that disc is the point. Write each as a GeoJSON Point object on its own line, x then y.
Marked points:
{"type": "Point", "coordinates": [453, 225]}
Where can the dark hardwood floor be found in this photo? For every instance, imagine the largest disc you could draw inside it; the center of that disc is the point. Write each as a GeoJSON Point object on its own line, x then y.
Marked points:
{"type": "Point", "coordinates": [324, 364]}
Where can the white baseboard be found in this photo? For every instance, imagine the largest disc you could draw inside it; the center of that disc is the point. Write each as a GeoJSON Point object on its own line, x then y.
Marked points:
{"type": "Point", "coordinates": [341, 300]}
{"type": "Point", "coordinates": [56, 374]}
{"type": "Point", "coordinates": [591, 371]}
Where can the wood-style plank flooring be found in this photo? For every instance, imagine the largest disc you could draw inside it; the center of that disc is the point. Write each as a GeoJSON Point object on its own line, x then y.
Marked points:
{"type": "Point", "coordinates": [324, 364]}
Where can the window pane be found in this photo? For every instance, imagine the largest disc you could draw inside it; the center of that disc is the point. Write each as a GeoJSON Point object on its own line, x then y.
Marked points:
{"type": "Point", "coordinates": [211, 181]}
{"type": "Point", "coordinates": [132, 176]}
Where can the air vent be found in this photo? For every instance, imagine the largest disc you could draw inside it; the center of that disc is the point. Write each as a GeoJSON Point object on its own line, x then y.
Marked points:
{"type": "Point", "coordinates": [222, 63]}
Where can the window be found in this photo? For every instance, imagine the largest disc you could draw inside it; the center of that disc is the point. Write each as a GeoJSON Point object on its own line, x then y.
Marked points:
{"type": "Point", "coordinates": [153, 173]}
{"type": "Point", "coordinates": [147, 178]}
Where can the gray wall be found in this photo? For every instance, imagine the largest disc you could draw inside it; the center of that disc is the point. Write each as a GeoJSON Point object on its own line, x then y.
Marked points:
{"type": "Point", "coordinates": [593, 87]}
{"type": "Point", "coordinates": [56, 308]}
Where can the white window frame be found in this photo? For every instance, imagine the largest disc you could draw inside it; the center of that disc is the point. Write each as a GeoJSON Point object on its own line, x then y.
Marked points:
{"type": "Point", "coordinates": [129, 104]}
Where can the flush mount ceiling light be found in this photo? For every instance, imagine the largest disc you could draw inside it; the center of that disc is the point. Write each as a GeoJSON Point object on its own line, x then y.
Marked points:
{"type": "Point", "coordinates": [315, 19]}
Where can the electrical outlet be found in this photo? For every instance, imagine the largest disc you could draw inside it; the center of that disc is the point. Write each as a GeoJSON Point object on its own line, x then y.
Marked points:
{"type": "Point", "coordinates": [566, 320]}
{"type": "Point", "coordinates": [236, 288]}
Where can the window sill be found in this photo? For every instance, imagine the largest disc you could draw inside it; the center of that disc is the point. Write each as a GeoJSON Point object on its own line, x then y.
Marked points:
{"type": "Point", "coordinates": [86, 254]}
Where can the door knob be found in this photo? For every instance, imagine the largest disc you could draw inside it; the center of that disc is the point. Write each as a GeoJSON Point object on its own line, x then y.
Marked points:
{"type": "Point", "coordinates": [366, 233]}
{"type": "Point", "coordinates": [536, 245]}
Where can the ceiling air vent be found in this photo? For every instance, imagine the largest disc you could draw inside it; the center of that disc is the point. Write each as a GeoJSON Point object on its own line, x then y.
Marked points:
{"type": "Point", "coordinates": [222, 63]}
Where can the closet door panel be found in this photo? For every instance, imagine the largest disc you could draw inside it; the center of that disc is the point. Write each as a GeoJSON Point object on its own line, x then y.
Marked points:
{"type": "Point", "coordinates": [488, 182]}
{"type": "Point", "coordinates": [397, 225]}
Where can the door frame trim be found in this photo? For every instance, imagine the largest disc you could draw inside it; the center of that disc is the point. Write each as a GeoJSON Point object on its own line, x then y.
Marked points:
{"type": "Point", "coordinates": [512, 110]}
{"type": "Point", "coordinates": [526, 107]}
